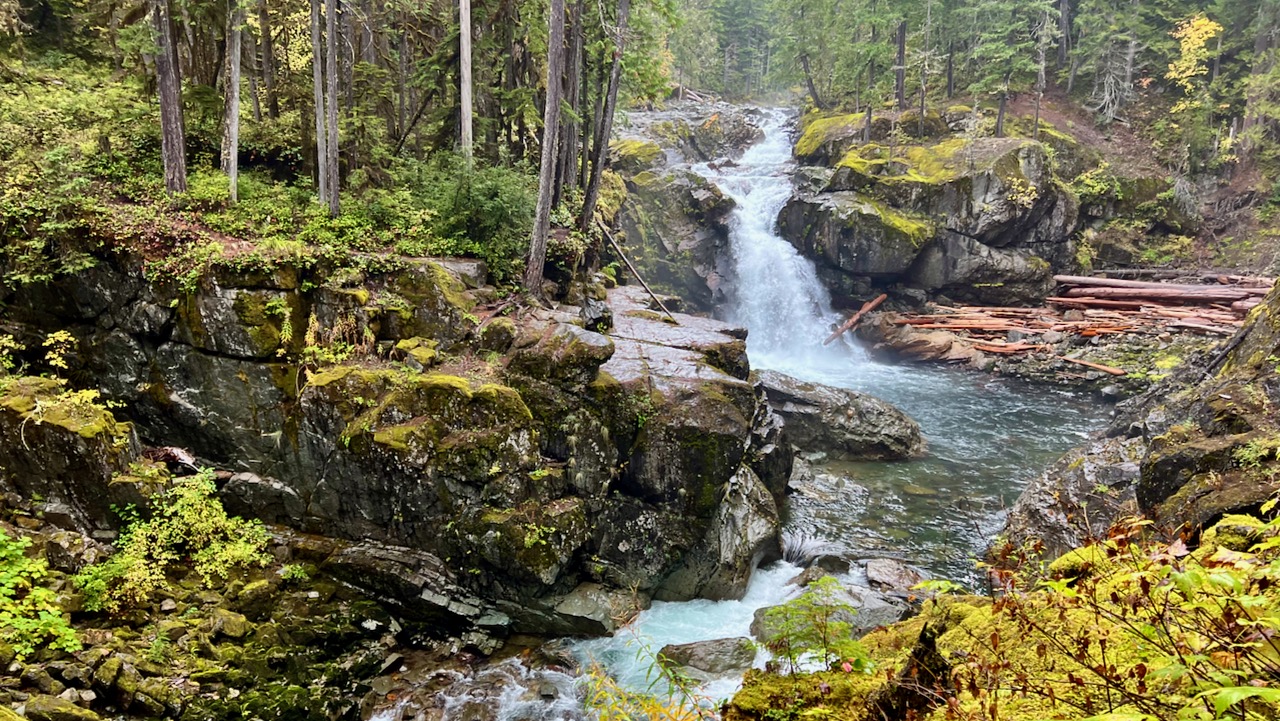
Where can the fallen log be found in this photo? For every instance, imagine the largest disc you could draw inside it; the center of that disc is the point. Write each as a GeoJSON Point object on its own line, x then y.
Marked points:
{"type": "Point", "coordinates": [1091, 302]}
{"type": "Point", "coordinates": [857, 317]}
{"type": "Point", "coordinates": [1087, 281]}
{"type": "Point", "coordinates": [1095, 366]}
{"type": "Point", "coordinates": [1197, 294]}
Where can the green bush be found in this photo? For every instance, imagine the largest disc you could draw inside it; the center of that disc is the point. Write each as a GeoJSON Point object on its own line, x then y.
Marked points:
{"type": "Point", "coordinates": [188, 525]}
{"type": "Point", "coordinates": [487, 213]}
{"type": "Point", "coordinates": [815, 627]}
{"type": "Point", "coordinates": [29, 612]}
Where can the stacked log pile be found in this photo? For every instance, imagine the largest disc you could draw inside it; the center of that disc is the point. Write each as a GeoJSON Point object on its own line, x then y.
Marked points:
{"type": "Point", "coordinates": [1088, 307]}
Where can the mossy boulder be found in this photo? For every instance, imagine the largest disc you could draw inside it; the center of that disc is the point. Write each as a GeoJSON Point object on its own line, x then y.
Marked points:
{"type": "Point", "coordinates": [242, 323]}
{"type": "Point", "coordinates": [635, 156]}
{"type": "Point", "coordinates": [983, 219]}
{"type": "Point", "coordinates": [855, 233]}
{"type": "Point", "coordinates": [67, 448]}
{"type": "Point", "coordinates": [675, 232]}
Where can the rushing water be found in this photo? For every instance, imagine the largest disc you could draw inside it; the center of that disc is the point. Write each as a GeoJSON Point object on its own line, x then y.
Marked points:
{"type": "Point", "coordinates": [986, 438]}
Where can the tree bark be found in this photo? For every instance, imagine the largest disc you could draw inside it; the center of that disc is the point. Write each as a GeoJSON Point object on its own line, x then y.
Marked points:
{"type": "Point", "coordinates": [550, 136]}
{"type": "Point", "coordinates": [568, 165]}
{"type": "Point", "coordinates": [317, 86]}
{"type": "Point", "coordinates": [900, 66]}
{"type": "Point", "coordinates": [331, 103]}
{"type": "Point", "coordinates": [808, 79]}
{"type": "Point", "coordinates": [1064, 32]}
{"type": "Point", "coordinates": [169, 86]}
{"type": "Point", "coordinates": [268, 60]}
{"type": "Point", "coordinates": [1004, 106]}
{"type": "Point", "coordinates": [231, 115]}
{"type": "Point", "coordinates": [464, 60]}
{"type": "Point", "coordinates": [605, 129]}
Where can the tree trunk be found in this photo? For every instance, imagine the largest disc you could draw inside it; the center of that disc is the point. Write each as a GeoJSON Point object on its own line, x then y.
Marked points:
{"type": "Point", "coordinates": [568, 165]}
{"type": "Point", "coordinates": [550, 135]}
{"type": "Point", "coordinates": [253, 83]}
{"type": "Point", "coordinates": [231, 116]}
{"type": "Point", "coordinates": [331, 102]}
{"type": "Point", "coordinates": [601, 150]}
{"type": "Point", "coordinates": [951, 70]}
{"type": "Point", "coordinates": [317, 86]}
{"type": "Point", "coordinates": [464, 60]}
{"type": "Point", "coordinates": [808, 79]}
{"type": "Point", "coordinates": [900, 67]}
{"type": "Point", "coordinates": [169, 86]}
{"type": "Point", "coordinates": [1064, 32]}
{"type": "Point", "coordinates": [268, 60]}
{"type": "Point", "coordinates": [866, 129]}
{"type": "Point", "coordinates": [1004, 103]}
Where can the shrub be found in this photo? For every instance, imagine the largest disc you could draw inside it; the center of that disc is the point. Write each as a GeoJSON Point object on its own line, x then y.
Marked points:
{"type": "Point", "coordinates": [29, 612]}
{"type": "Point", "coordinates": [187, 525]}
{"type": "Point", "coordinates": [816, 627]}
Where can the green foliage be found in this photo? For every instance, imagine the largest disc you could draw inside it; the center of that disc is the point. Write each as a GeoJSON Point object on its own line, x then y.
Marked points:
{"type": "Point", "coordinates": [486, 213]}
{"type": "Point", "coordinates": [294, 573]}
{"type": "Point", "coordinates": [671, 694]}
{"type": "Point", "coordinates": [816, 627]}
{"type": "Point", "coordinates": [187, 525]}
{"type": "Point", "coordinates": [30, 616]}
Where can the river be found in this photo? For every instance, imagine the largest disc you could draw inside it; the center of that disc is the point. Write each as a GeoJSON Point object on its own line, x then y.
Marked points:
{"type": "Point", "coordinates": [986, 438]}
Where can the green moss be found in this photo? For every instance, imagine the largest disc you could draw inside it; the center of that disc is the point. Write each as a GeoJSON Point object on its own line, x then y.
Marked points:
{"type": "Point", "coordinates": [1079, 562]}
{"type": "Point", "coordinates": [914, 228]}
{"type": "Point", "coordinates": [635, 155]}
{"type": "Point", "coordinates": [823, 129]}
{"type": "Point", "coordinates": [504, 398]}
{"type": "Point", "coordinates": [1236, 532]}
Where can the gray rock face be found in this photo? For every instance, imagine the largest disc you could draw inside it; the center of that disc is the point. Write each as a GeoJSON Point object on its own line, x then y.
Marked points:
{"type": "Point", "coordinates": [976, 219]}
{"type": "Point", "coordinates": [675, 232]}
{"type": "Point", "coordinates": [1078, 497]}
{"type": "Point", "coordinates": [721, 656]}
{"type": "Point", "coordinates": [641, 460]}
{"type": "Point", "coordinates": [842, 423]}
{"type": "Point", "coordinates": [965, 269]}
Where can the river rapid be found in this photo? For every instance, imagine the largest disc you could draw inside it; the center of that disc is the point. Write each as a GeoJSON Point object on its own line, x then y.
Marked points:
{"type": "Point", "coordinates": [986, 438]}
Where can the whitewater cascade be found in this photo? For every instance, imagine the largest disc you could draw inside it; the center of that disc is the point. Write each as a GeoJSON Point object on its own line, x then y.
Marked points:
{"type": "Point", "coordinates": [777, 295]}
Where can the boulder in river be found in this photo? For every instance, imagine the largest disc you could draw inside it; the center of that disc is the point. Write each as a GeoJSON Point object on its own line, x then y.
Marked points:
{"type": "Point", "coordinates": [892, 576]}
{"type": "Point", "coordinates": [867, 609]}
{"type": "Point", "coordinates": [840, 422]}
{"type": "Point", "coordinates": [721, 656]}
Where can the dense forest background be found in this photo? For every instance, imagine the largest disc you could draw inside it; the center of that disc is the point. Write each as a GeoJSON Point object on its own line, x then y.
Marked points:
{"type": "Point", "coordinates": [342, 125]}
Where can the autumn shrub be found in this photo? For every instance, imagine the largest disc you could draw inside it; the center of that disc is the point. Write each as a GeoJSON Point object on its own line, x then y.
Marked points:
{"type": "Point", "coordinates": [187, 525]}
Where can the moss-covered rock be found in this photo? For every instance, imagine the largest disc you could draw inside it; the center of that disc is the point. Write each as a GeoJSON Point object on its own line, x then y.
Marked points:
{"type": "Point", "coordinates": [66, 448]}
{"type": "Point", "coordinates": [635, 156]}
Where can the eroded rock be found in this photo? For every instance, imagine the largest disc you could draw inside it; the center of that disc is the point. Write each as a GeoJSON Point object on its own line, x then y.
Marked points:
{"type": "Point", "coordinates": [840, 422]}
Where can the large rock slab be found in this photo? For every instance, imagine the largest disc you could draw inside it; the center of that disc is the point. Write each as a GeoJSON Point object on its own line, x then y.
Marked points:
{"type": "Point", "coordinates": [721, 656]}
{"type": "Point", "coordinates": [840, 422]}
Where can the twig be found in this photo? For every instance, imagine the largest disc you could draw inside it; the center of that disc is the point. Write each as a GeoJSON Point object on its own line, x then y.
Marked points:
{"type": "Point", "coordinates": [618, 249]}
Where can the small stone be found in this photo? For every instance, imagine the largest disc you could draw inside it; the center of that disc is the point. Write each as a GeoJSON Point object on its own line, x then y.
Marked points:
{"type": "Point", "coordinates": [382, 685]}
{"type": "Point", "coordinates": [88, 696]}
{"type": "Point", "coordinates": [548, 690]}
{"type": "Point", "coordinates": [71, 695]}
{"type": "Point", "coordinates": [168, 605]}
{"type": "Point", "coordinates": [228, 623]}
{"type": "Point", "coordinates": [1053, 337]}
{"type": "Point", "coordinates": [40, 678]}
{"type": "Point", "coordinates": [106, 674]}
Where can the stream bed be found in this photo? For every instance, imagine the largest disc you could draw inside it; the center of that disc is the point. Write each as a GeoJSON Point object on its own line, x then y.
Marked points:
{"type": "Point", "coordinates": [987, 437]}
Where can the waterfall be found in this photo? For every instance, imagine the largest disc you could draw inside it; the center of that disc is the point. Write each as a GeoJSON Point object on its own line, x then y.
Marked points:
{"type": "Point", "coordinates": [777, 295]}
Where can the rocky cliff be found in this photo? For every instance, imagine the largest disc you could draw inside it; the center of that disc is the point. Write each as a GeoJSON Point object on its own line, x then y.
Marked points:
{"type": "Point", "coordinates": [552, 475]}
